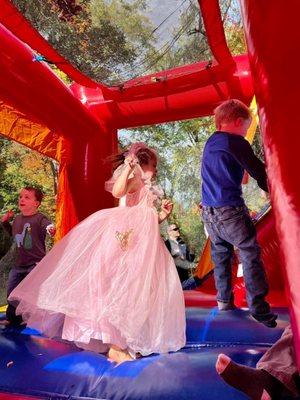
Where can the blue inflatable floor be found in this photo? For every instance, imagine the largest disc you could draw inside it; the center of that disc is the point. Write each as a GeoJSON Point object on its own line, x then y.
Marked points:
{"type": "Point", "coordinates": [33, 365]}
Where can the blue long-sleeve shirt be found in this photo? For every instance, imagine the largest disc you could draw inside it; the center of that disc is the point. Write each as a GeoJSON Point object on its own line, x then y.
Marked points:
{"type": "Point", "coordinates": [225, 158]}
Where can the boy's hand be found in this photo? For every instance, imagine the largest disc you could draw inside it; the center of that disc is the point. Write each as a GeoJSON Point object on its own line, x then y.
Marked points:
{"type": "Point", "coordinates": [6, 217]}
{"type": "Point", "coordinates": [245, 178]}
{"type": "Point", "coordinates": [51, 230]}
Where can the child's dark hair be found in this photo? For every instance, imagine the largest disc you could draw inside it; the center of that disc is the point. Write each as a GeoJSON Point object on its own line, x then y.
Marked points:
{"type": "Point", "coordinates": [38, 194]}
{"type": "Point", "coordinates": [144, 155]}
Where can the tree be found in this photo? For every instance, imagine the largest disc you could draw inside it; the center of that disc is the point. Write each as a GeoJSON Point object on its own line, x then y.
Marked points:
{"type": "Point", "coordinates": [102, 39]}
{"type": "Point", "coordinates": [24, 167]}
{"type": "Point", "coordinates": [181, 144]}
{"type": "Point", "coordinates": [19, 167]}
{"type": "Point", "coordinates": [180, 147]}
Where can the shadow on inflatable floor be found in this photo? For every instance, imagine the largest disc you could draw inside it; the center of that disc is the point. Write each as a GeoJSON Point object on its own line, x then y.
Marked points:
{"type": "Point", "coordinates": [32, 365]}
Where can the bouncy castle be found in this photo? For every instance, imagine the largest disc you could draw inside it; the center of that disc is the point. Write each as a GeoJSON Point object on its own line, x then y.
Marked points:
{"type": "Point", "coordinates": [77, 126]}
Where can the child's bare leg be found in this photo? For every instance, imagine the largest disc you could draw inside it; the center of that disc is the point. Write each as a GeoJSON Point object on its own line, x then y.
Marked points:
{"type": "Point", "coordinates": [118, 355]}
{"type": "Point", "coordinates": [243, 379]}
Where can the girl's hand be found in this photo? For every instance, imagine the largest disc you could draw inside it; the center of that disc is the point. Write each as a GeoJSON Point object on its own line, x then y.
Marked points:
{"type": "Point", "coordinates": [167, 206]}
{"type": "Point", "coordinates": [6, 217]}
{"type": "Point", "coordinates": [131, 161]}
{"type": "Point", "coordinates": [166, 209]}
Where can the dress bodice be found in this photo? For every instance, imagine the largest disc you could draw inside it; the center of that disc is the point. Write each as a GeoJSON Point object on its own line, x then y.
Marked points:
{"type": "Point", "coordinates": [146, 195]}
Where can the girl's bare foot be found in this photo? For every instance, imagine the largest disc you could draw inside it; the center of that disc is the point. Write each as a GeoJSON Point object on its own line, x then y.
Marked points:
{"type": "Point", "coordinates": [118, 355]}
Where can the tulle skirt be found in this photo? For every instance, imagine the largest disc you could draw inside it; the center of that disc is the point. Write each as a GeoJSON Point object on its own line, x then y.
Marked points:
{"type": "Point", "coordinates": [110, 280]}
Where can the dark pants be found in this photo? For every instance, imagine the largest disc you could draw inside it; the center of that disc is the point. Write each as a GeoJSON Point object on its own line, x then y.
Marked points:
{"type": "Point", "coordinates": [16, 275]}
{"type": "Point", "coordinates": [228, 227]}
{"type": "Point", "coordinates": [184, 274]}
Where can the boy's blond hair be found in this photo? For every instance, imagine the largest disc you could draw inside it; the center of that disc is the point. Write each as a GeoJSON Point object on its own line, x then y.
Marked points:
{"type": "Point", "coordinates": [231, 110]}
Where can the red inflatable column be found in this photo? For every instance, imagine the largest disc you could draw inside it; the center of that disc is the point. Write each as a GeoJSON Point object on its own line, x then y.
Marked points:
{"type": "Point", "coordinates": [273, 37]}
{"type": "Point", "coordinates": [83, 172]}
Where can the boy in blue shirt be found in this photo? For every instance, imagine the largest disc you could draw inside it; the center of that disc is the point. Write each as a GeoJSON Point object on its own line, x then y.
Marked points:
{"type": "Point", "coordinates": [227, 154]}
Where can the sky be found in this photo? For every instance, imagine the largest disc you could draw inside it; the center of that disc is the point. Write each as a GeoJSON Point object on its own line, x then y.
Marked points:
{"type": "Point", "coordinates": [159, 10]}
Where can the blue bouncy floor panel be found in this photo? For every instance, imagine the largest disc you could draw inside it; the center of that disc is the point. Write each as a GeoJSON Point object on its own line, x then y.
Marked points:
{"type": "Point", "coordinates": [33, 365]}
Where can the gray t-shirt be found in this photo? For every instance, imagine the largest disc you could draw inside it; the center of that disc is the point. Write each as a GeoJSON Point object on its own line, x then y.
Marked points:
{"type": "Point", "coordinates": [29, 233]}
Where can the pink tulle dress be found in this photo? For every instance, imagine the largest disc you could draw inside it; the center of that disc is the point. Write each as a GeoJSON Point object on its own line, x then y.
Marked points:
{"type": "Point", "coordinates": [110, 280]}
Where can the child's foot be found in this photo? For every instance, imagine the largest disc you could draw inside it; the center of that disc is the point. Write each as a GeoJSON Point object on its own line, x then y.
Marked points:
{"type": "Point", "coordinates": [269, 320]}
{"type": "Point", "coordinates": [242, 378]}
{"type": "Point", "coordinates": [118, 355]}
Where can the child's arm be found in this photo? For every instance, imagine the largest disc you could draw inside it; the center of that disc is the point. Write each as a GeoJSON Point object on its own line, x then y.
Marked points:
{"type": "Point", "coordinates": [47, 226]}
{"type": "Point", "coordinates": [245, 156]}
{"type": "Point", "coordinates": [51, 230]}
{"type": "Point", "coordinates": [5, 221]}
{"type": "Point", "coordinates": [166, 209]}
{"type": "Point", "coordinates": [123, 183]}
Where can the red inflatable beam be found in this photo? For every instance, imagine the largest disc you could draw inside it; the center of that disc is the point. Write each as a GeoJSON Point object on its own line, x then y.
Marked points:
{"type": "Point", "coordinates": [211, 15]}
{"type": "Point", "coordinates": [34, 89]}
{"type": "Point", "coordinates": [185, 92]}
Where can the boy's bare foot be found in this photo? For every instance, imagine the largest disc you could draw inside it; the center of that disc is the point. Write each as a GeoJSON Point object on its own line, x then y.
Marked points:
{"type": "Point", "coordinates": [242, 378]}
{"type": "Point", "coordinates": [118, 355]}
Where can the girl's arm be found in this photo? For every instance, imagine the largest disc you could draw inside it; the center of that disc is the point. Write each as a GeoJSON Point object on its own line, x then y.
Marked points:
{"type": "Point", "coordinates": [123, 183]}
{"type": "Point", "coordinates": [166, 209]}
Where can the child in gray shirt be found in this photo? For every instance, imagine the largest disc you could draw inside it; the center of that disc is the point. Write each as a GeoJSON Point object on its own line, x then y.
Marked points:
{"type": "Point", "coordinates": [29, 230]}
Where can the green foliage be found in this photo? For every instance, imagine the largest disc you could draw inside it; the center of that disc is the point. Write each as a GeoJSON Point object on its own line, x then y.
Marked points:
{"type": "Point", "coordinates": [22, 167]}
{"type": "Point", "coordinates": [255, 198]}
{"type": "Point", "coordinates": [101, 40]}
{"type": "Point", "coordinates": [180, 147]}
{"type": "Point", "coordinates": [189, 42]}
{"type": "Point", "coordinates": [112, 38]}
{"type": "Point", "coordinates": [19, 167]}
{"type": "Point", "coordinates": [180, 144]}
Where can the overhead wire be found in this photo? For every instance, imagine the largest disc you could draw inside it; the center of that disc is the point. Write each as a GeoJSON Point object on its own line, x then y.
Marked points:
{"type": "Point", "coordinates": [141, 46]}
{"type": "Point", "coordinates": [145, 65]}
{"type": "Point", "coordinates": [165, 49]}
{"type": "Point", "coordinates": [148, 63]}
{"type": "Point", "coordinates": [170, 15]}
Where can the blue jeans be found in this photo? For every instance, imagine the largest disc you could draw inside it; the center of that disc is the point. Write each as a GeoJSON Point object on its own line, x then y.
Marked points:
{"type": "Point", "coordinates": [16, 275]}
{"type": "Point", "coordinates": [228, 227]}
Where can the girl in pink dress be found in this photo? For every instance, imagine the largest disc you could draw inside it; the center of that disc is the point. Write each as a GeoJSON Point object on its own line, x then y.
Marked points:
{"type": "Point", "coordinates": [110, 285]}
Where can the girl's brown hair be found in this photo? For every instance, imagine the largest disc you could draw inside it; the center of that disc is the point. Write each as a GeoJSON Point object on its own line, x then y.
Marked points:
{"type": "Point", "coordinates": [144, 155]}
